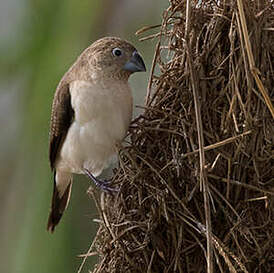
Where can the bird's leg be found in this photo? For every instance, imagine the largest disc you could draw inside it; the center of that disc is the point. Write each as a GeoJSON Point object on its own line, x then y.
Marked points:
{"type": "Point", "coordinates": [103, 185]}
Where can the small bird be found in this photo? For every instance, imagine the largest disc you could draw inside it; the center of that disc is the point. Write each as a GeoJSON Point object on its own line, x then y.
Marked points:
{"type": "Point", "coordinates": [91, 113]}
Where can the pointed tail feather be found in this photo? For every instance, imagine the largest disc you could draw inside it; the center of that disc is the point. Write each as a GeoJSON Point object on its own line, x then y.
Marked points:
{"type": "Point", "coordinates": [60, 199]}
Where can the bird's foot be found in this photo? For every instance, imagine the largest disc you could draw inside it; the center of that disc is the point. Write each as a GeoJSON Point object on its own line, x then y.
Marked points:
{"type": "Point", "coordinates": [104, 185]}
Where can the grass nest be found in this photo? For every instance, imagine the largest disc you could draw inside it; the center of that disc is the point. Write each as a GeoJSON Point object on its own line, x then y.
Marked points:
{"type": "Point", "coordinates": [197, 177]}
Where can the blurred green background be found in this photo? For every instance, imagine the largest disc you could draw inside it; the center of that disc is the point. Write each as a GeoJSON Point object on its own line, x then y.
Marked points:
{"type": "Point", "coordinates": [39, 40]}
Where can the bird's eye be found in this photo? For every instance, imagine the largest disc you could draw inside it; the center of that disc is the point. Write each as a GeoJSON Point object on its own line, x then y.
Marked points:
{"type": "Point", "coordinates": [117, 52]}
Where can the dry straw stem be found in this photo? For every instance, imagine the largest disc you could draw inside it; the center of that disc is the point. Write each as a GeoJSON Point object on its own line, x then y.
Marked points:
{"type": "Point", "coordinates": [196, 180]}
{"type": "Point", "coordinates": [200, 133]}
{"type": "Point", "coordinates": [252, 66]}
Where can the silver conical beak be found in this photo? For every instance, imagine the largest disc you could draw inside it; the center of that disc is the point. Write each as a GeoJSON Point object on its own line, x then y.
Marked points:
{"type": "Point", "coordinates": [135, 64]}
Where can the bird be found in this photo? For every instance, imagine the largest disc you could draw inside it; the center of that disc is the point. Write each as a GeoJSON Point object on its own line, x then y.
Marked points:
{"type": "Point", "coordinates": [91, 113]}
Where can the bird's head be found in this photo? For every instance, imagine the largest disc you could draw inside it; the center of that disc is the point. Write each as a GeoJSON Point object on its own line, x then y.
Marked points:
{"type": "Point", "coordinates": [114, 57]}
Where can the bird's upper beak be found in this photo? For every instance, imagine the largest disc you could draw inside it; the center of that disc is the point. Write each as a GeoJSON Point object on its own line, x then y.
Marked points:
{"type": "Point", "coordinates": [135, 63]}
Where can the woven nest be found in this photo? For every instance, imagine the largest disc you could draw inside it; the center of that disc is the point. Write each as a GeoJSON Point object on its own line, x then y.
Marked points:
{"type": "Point", "coordinates": [197, 177]}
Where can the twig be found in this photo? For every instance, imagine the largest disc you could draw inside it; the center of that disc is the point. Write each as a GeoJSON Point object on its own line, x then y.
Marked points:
{"type": "Point", "coordinates": [218, 144]}
{"type": "Point", "coordinates": [255, 72]}
{"type": "Point", "coordinates": [203, 175]}
{"type": "Point", "coordinates": [152, 72]}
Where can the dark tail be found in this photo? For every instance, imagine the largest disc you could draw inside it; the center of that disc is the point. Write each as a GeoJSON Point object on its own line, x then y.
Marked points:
{"type": "Point", "coordinates": [59, 202]}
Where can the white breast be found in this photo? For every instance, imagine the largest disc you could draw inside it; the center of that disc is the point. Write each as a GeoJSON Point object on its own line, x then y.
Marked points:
{"type": "Point", "coordinates": [102, 117]}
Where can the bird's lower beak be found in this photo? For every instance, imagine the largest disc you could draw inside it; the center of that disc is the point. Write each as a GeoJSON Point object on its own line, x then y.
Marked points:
{"type": "Point", "coordinates": [135, 64]}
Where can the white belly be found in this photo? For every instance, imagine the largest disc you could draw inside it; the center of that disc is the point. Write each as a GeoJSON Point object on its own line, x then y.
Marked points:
{"type": "Point", "coordinates": [101, 122]}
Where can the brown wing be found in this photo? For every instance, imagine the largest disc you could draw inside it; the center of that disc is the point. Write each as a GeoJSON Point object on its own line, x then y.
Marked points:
{"type": "Point", "coordinates": [62, 116]}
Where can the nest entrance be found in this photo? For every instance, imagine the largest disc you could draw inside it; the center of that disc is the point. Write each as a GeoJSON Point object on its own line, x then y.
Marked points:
{"type": "Point", "coordinates": [197, 181]}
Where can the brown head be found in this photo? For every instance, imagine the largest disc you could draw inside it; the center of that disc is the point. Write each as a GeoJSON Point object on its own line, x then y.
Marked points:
{"type": "Point", "coordinates": [113, 56]}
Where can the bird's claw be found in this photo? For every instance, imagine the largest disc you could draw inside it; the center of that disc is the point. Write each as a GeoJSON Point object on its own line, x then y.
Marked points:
{"type": "Point", "coordinates": [104, 185]}
{"type": "Point", "coordinates": [108, 189]}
